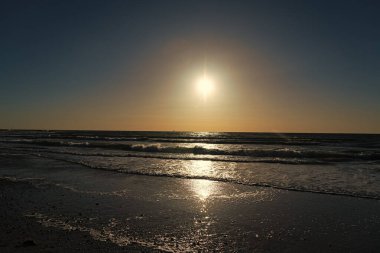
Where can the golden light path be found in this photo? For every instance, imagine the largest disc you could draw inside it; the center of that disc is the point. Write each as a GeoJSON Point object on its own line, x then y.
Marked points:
{"type": "Point", "coordinates": [202, 188]}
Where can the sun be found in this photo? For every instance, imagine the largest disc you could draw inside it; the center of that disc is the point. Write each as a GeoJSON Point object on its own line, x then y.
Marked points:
{"type": "Point", "coordinates": [205, 86]}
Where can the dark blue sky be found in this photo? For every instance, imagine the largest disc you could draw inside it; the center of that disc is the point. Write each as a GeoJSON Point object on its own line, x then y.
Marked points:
{"type": "Point", "coordinates": [109, 64]}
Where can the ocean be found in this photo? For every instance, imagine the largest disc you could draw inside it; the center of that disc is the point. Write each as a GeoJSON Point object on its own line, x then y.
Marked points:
{"type": "Point", "coordinates": [339, 164]}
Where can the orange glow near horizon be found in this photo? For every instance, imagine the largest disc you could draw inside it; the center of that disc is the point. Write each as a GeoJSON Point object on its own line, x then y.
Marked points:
{"type": "Point", "coordinates": [239, 92]}
{"type": "Point", "coordinates": [155, 66]}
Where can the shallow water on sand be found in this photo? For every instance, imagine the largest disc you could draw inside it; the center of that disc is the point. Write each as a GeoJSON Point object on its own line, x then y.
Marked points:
{"type": "Point", "coordinates": [181, 214]}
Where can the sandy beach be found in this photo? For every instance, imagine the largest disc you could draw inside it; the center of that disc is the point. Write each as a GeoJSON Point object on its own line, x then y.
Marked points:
{"type": "Point", "coordinates": [45, 208]}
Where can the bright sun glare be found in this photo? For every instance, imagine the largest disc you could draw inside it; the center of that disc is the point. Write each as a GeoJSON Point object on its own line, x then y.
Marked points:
{"type": "Point", "coordinates": [205, 86]}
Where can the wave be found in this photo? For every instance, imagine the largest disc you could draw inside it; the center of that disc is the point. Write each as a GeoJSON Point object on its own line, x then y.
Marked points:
{"type": "Point", "coordinates": [213, 159]}
{"type": "Point", "coordinates": [297, 188]}
{"type": "Point", "coordinates": [186, 158]}
{"type": "Point", "coordinates": [331, 156]}
{"type": "Point", "coordinates": [295, 139]}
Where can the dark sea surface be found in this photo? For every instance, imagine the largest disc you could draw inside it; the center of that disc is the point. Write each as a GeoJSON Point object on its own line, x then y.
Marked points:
{"type": "Point", "coordinates": [343, 164]}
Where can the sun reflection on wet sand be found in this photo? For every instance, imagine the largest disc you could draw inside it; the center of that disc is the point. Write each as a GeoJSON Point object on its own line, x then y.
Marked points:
{"type": "Point", "coordinates": [202, 188]}
{"type": "Point", "coordinates": [203, 192]}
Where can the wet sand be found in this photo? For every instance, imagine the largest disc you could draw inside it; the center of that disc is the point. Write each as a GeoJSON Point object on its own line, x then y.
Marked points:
{"type": "Point", "coordinates": [53, 206]}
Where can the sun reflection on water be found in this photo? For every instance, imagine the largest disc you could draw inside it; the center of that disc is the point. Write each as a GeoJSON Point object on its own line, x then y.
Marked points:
{"type": "Point", "coordinates": [203, 189]}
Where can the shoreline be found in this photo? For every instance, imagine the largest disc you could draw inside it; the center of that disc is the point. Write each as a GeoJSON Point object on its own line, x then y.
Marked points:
{"type": "Point", "coordinates": [68, 208]}
{"type": "Point", "coordinates": [223, 180]}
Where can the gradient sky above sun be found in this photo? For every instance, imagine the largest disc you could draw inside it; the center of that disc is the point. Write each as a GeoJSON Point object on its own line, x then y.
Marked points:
{"type": "Point", "coordinates": [275, 66]}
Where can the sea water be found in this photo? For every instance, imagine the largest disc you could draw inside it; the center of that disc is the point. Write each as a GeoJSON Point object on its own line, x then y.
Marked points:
{"type": "Point", "coordinates": [343, 164]}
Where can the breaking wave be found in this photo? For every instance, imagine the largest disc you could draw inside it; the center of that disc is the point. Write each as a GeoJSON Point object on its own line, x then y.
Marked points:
{"type": "Point", "coordinates": [329, 155]}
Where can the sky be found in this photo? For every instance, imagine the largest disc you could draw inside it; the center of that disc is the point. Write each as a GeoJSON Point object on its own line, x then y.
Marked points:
{"type": "Point", "coordinates": [276, 66]}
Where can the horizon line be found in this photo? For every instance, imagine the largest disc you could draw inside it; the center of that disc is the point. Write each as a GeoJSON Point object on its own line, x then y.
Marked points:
{"type": "Point", "coordinates": [186, 131]}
